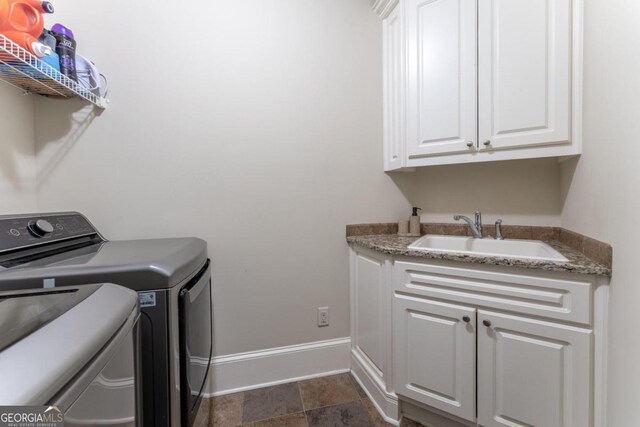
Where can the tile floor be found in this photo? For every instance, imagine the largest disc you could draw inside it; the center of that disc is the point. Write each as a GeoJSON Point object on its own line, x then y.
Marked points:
{"type": "Point", "coordinates": [334, 401]}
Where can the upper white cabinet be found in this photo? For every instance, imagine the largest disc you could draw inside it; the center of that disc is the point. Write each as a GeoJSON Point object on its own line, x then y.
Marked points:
{"type": "Point", "coordinates": [441, 76]}
{"type": "Point", "coordinates": [480, 80]}
{"type": "Point", "coordinates": [394, 80]}
{"type": "Point", "coordinates": [524, 77]}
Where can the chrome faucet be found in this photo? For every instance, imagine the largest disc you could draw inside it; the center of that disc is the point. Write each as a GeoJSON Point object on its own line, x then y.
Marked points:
{"type": "Point", "coordinates": [499, 230]}
{"type": "Point", "coordinates": [476, 228]}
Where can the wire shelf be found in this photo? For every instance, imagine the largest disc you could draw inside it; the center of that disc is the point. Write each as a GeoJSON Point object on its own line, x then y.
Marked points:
{"type": "Point", "coordinates": [21, 69]}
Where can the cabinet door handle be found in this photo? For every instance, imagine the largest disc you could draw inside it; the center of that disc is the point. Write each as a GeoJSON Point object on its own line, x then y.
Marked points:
{"type": "Point", "coordinates": [486, 323]}
{"type": "Point", "coordinates": [487, 142]}
{"type": "Point", "coordinates": [470, 144]}
{"type": "Point", "coordinates": [466, 319]}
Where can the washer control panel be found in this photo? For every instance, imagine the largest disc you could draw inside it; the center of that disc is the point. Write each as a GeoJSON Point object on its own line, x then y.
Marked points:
{"type": "Point", "coordinates": [23, 231]}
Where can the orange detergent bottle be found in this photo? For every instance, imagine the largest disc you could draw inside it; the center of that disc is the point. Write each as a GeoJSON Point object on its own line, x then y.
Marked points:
{"type": "Point", "coordinates": [22, 22]}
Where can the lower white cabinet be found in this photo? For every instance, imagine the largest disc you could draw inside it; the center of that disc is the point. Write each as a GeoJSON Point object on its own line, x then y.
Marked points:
{"type": "Point", "coordinates": [484, 344]}
{"type": "Point", "coordinates": [532, 373]}
{"type": "Point", "coordinates": [478, 345]}
{"type": "Point", "coordinates": [529, 372]}
{"type": "Point", "coordinates": [371, 334]}
{"type": "Point", "coordinates": [442, 376]}
{"type": "Point", "coordinates": [368, 296]}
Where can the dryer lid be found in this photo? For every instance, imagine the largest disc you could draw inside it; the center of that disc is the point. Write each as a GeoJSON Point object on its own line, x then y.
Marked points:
{"type": "Point", "coordinates": [135, 264]}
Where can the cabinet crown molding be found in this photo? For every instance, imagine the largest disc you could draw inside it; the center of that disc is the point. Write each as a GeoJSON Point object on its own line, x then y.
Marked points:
{"type": "Point", "coordinates": [383, 7]}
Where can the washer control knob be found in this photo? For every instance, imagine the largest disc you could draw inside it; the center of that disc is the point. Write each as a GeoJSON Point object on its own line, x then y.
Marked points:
{"type": "Point", "coordinates": [40, 228]}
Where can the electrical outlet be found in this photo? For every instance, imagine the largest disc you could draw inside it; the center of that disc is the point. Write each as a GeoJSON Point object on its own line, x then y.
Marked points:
{"type": "Point", "coordinates": [323, 316]}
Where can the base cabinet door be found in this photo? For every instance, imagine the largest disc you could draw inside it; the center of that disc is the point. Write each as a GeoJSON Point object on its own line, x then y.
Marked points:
{"type": "Point", "coordinates": [532, 373]}
{"type": "Point", "coordinates": [435, 354]}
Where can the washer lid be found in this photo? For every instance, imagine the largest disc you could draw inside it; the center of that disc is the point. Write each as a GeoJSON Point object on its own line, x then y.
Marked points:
{"type": "Point", "coordinates": [135, 264]}
{"type": "Point", "coordinates": [37, 366]}
{"type": "Point", "coordinates": [23, 313]}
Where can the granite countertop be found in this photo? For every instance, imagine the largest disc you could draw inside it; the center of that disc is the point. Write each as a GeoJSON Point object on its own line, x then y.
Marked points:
{"type": "Point", "coordinates": [393, 244]}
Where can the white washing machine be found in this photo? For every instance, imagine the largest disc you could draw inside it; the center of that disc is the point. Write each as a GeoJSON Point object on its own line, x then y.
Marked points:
{"type": "Point", "coordinates": [75, 348]}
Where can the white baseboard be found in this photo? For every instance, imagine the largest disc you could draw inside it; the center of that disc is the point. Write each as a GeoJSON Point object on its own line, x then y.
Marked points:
{"type": "Point", "coordinates": [263, 368]}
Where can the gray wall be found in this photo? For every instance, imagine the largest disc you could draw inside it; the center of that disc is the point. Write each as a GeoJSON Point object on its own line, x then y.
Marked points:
{"type": "Point", "coordinates": [521, 192]}
{"type": "Point", "coordinates": [17, 157]}
{"type": "Point", "coordinates": [601, 191]}
{"type": "Point", "coordinates": [257, 127]}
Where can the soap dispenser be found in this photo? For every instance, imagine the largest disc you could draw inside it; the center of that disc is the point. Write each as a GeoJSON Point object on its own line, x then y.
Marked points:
{"type": "Point", "coordinates": [414, 223]}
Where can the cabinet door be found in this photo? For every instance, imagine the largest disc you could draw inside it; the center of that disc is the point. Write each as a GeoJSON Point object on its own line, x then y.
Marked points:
{"type": "Point", "coordinates": [442, 79]}
{"type": "Point", "coordinates": [532, 373]}
{"type": "Point", "coordinates": [525, 63]}
{"type": "Point", "coordinates": [435, 354]}
{"type": "Point", "coordinates": [394, 119]}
